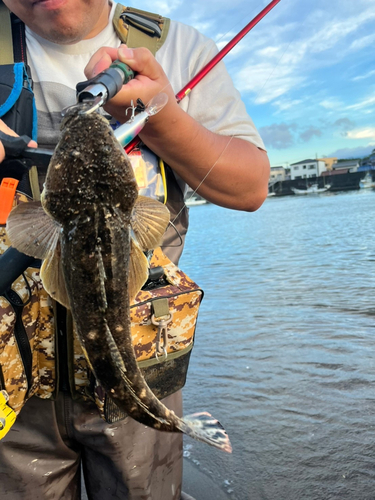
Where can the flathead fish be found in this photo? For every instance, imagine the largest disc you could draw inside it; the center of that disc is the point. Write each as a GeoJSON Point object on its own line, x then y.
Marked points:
{"type": "Point", "coordinates": [91, 231]}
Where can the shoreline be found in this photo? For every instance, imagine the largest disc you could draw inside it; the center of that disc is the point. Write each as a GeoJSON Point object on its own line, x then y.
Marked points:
{"type": "Point", "coordinates": [194, 482]}
{"type": "Point", "coordinates": [199, 485]}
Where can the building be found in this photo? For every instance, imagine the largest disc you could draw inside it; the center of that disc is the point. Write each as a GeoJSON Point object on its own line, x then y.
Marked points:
{"type": "Point", "coordinates": [307, 168]}
{"type": "Point", "coordinates": [329, 162]}
{"type": "Point", "coordinates": [349, 165]}
{"type": "Point", "coordinates": [277, 174]}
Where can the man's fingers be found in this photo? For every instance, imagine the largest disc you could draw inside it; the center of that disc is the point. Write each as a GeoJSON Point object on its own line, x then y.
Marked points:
{"type": "Point", "coordinates": [141, 61]}
{"type": "Point", "coordinates": [2, 152]}
{"type": "Point", "coordinates": [100, 61]}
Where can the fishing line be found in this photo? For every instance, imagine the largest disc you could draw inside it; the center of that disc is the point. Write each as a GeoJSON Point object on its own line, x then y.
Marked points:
{"type": "Point", "coordinates": [205, 177]}
{"type": "Point", "coordinates": [277, 64]}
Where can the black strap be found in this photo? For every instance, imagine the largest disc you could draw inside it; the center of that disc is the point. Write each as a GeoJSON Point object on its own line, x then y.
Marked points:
{"type": "Point", "coordinates": [14, 146]}
{"type": "Point", "coordinates": [19, 39]}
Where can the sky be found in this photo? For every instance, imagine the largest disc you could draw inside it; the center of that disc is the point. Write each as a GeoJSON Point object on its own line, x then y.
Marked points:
{"type": "Point", "coordinates": [306, 72]}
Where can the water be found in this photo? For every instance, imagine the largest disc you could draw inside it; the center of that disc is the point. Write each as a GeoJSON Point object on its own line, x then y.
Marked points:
{"type": "Point", "coordinates": [285, 346]}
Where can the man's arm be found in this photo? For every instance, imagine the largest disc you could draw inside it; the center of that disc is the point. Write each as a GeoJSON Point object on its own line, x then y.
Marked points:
{"type": "Point", "coordinates": [239, 170]}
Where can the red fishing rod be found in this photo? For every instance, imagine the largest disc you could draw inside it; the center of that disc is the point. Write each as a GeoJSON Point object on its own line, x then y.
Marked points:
{"type": "Point", "coordinates": [214, 61]}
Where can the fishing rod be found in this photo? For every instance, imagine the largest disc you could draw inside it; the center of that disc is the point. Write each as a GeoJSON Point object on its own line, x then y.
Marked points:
{"type": "Point", "coordinates": [214, 61]}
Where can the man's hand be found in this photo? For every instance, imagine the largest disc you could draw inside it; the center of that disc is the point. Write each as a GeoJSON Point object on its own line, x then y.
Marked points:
{"type": "Point", "coordinates": [4, 128]}
{"type": "Point", "coordinates": [240, 177]}
{"type": "Point", "coordinates": [149, 80]}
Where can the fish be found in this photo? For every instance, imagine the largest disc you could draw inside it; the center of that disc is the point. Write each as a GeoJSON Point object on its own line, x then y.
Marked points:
{"type": "Point", "coordinates": [91, 230]}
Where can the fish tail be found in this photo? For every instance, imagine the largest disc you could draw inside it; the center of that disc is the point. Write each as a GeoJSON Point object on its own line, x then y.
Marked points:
{"type": "Point", "coordinates": [204, 427]}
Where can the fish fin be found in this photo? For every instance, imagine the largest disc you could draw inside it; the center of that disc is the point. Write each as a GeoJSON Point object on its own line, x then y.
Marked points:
{"type": "Point", "coordinates": [204, 427]}
{"type": "Point", "coordinates": [149, 221]}
{"type": "Point", "coordinates": [52, 276]}
{"type": "Point", "coordinates": [102, 277]}
{"type": "Point", "coordinates": [119, 363]}
{"type": "Point", "coordinates": [31, 230]}
{"type": "Point", "coordinates": [139, 402]}
{"type": "Point", "coordinates": [138, 270]}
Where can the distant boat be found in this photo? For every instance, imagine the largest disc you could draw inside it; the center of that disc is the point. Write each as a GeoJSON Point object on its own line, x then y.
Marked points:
{"type": "Point", "coordinates": [313, 189]}
{"type": "Point", "coordinates": [271, 193]}
{"type": "Point", "coordinates": [195, 200]}
{"type": "Point", "coordinates": [367, 182]}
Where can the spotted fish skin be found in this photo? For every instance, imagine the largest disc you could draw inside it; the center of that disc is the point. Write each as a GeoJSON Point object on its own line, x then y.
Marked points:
{"type": "Point", "coordinates": [90, 190]}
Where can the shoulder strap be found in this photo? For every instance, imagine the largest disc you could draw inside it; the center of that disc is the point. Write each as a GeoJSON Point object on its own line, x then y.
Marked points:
{"type": "Point", "coordinates": [12, 37]}
{"type": "Point", "coordinates": [6, 42]}
{"type": "Point", "coordinates": [138, 28]}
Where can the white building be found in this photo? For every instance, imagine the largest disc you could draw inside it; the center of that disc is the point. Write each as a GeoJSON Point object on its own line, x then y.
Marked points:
{"type": "Point", "coordinates": [307, 168]}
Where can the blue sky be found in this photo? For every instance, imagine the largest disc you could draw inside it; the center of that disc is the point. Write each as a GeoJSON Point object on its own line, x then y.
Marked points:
{"type": "Point", "coordinates": [306, 72]}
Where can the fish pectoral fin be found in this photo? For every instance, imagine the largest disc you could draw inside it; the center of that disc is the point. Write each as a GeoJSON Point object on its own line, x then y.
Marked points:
{"type": "Point", "coordinates": [149, 221]}
{"type": "Point", "coordinates": [138, 270]}
{"type": "Point", "coordinates": [52, 276]}
{"type": "Point", "coordinates": [31, 230]}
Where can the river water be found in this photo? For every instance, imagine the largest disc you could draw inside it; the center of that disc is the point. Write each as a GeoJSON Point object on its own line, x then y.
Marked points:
{"type": "Point", "coordinates": [285, 346]}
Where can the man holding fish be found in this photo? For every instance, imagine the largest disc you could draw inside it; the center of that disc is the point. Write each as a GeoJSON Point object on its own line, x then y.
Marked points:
{"type": "Point", "coordinates": [207, 137]}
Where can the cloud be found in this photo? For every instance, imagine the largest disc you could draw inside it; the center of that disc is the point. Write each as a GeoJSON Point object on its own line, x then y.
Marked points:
{"type": "Point", "coordinates": [363, 133]}
{"type": "Point", "coordinates": [288, 63]}
{"type": "Point", "coordinates": [336, 29]}
{"type": "Point", "coordinates": [278, 135]}
{"type": "Point", "coordinates": [309, 133]}
{"type": "Point", "coordinates": [363, 77]}
{"type": "Point", "coordinates": [266, 81]}
{"type": "Point", "coordinates": [334, 104]}
{"type": "Point", "coordinates": [358, 152]}
{"type": "Point", "coordinates": [285, 103]}
{"type": "Point", "coordinates": [163, 7]}
{"type": "Point", "coordinates": [283, 135]}
{"type": "Point", "coordinates": [344, 125]}
{"type": "Point", "coordinates": [331, 103]}
{"type": "Point", "coordinates": [361, 43]}
{"type": "Point", "coordinates": [366, 102]}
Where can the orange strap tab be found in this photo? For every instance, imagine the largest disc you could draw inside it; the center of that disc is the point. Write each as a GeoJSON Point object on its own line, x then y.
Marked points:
{"type": "Point", "coordinates": [7, 191]}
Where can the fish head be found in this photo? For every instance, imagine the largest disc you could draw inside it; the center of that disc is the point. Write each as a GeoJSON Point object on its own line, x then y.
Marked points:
{"type": "Point", "coordinates": [89, 167]}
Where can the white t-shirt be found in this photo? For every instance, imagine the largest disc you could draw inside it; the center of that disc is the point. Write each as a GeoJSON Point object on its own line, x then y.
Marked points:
{"type": "Point", "coordinates": [215, 103]}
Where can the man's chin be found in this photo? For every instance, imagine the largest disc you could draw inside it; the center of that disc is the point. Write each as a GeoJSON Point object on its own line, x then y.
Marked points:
{"type": "Point", "coordinates": [62, 36]}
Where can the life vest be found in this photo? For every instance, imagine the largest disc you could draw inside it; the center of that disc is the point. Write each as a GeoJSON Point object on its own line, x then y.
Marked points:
{"type": "Point", "coordinates": [30, 320]}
